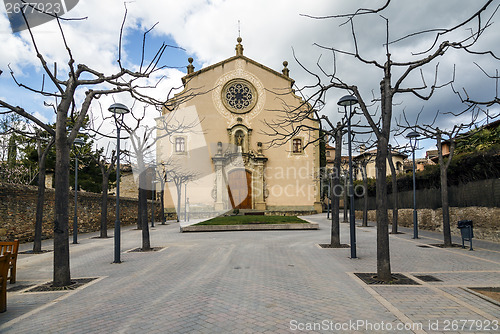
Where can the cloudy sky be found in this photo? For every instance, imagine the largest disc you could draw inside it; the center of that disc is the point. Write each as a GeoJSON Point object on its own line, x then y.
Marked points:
{"type": "Point", "coordinates": [272, 31]}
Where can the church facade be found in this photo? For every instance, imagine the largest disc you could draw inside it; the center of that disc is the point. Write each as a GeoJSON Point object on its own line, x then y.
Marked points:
{"type": "Point", "coordinates": [223, 144]}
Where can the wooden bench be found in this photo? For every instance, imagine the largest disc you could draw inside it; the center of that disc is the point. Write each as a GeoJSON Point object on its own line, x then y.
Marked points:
{"type": "Point", "coordinates": [11, 247]}
{"type": "Point", "coordinates": [4, 269]}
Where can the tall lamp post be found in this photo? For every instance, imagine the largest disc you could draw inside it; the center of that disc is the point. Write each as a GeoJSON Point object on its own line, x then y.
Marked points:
{"type": "Point", "coordinates": [185, 202]}
{"type": "Point", "coordinates": [349, 100]}
{"type": "Point", "coordinates": [413, 137]}
{"type": "Point", "coordinates": [78, 141]}
{"type": "Point", "coordinates": [328, 200]}
{"type": "Point", "coordinates": [118, 111]}
{"type": "Point", "coordinates": [153, 198]}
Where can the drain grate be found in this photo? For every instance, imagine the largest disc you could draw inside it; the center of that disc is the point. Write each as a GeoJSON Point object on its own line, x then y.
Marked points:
{"type": "Point", "coordinates": [424, 246]}
{"type": "Point", "coordinates": [139, 250]}
{"type": "Point", "coordinates": [397, 279]}
{"type": "Point", "coordinates": [442, 246]}
{"type": "Point", "coordinates": [330, 246]}
{"type": "Point", "coordinates": [428, 278]}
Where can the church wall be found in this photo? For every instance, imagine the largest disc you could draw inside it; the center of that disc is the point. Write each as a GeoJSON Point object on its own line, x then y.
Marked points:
{"type": "Point", "coordinates": [290, 178]}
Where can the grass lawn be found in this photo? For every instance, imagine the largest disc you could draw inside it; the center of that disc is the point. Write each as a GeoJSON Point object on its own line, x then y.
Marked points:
{"type": "Point", "coordinates": [244, 220]}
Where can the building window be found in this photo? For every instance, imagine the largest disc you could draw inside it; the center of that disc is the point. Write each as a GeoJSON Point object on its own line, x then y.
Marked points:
{"type": "Point", "coordinates": [180, 145]}
{"type": "Point", "coordinates": [327, 153]}
{"type": "Point", "coordinates": [297, 146]}
{"type": "Point", "coordinates": [399, 167]}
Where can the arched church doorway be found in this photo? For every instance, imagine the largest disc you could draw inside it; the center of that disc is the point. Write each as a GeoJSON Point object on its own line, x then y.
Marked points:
{"type": "Point", "coordinates": [240, 189]}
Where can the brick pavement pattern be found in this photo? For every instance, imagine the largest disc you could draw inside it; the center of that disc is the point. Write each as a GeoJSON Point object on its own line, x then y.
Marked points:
{"type": "Point", "coordinates": [256, 282]}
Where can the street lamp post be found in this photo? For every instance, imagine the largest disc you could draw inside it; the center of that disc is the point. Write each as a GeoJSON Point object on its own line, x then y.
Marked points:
{"type": "Point", "coordinates": [331, 194]}
{"type": "Point", "coordinates": [153, 197]}
{"type": "Point", "coordinates": [185, 202]}
{"type": "Point", "coordinates": [118, 111]}
{"type": "Point", "coordinates": [349, 100]}
{"type": "Point", "coordinates": [413, 137]}
{"type": "Point", "coordinates": [328, 200]}
{"type": "Point", "coordinates": [77, 141]}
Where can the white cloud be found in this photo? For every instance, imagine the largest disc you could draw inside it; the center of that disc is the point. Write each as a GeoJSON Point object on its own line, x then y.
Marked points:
{"type": "Point", "coordinates": [207, 29]}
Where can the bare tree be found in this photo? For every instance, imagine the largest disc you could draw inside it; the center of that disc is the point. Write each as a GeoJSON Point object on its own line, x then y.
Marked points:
{"type": "Point", "coordinates": [80, 76]}
{"type": "Point", "coordinates": [361, 165]}
{"type": "Point", "coordinates": [141, 149]}
{"type": "Point", "coordinates": [107, 166]}
{"type": "Point", "coordinates": [42, 171]}
{"type": "Point", "coordinates": [180, 177]}
{"type": "Point", "coordinates": [450, 136]}
{"type": "Point", "coordinates": [337, 165]}
{"type": "Point", "coordinates": [466, 98]}
{"type": "Point", "coordinates": [161, 176]}
{"type": "Point", "coordinates": [395, 196]}
{"type": "Point", "coordinates": [44, 142]}
{"type": "Point", "coordinates": [143, 139]}
{"type": "Point", "coordinates": [389, 87]}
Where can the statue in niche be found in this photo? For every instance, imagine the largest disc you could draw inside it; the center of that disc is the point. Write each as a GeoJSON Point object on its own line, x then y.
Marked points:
{"type": "Point", "coordinates": [239, 137]}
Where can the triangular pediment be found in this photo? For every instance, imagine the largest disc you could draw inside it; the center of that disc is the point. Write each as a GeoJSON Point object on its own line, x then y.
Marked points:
{"type": "Point", "coordinates": [187, 77]}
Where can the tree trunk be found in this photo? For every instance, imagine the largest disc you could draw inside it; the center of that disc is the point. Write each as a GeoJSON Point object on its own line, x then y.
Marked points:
{"type": "Point", "coordinates": [395, 203]}
{"type": "Point", "coordinates": [162, 204]}
{"type": "Point", "coordinates": [104, 206]}
{"type": "Point", "coordinates": [179, 194]}
{"type": "Point", "coordinates": [139, 209]}
{"type": "Point", "coordinates": [143, 203]}
{"type": "Point", "coordinates": [334, 190]}
{"type": "Point", "coordinates": [37, 243]}
{"type": "Point", "coordinates": [346, 212]}
{"type": "Point", "coordinates": [395, 199]}
{"type": "Point", "coordinates": [62, 276]}
{"type": "Point", "coordinates": [42, 172]}
{"type": "Point", "coordinates": [383, 255]}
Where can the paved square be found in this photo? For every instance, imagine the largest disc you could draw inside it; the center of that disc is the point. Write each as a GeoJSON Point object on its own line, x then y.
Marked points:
{"type": "Point", "coordinates": [257, 282]}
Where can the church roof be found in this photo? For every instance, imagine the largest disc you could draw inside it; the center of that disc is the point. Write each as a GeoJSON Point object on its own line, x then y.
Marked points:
{"type": "Point", "coordinates": [239, 55]}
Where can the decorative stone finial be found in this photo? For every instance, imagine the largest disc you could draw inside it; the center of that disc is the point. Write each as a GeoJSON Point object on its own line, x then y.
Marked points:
{"type": "Point", "coordinates": [286, 71]}
{"type": "Point", "coordinates": [239, 47]}
{"type": "Point", "coordinates": [190, 67]}
{"type": "Point", "coordinates": [219, 148]}
{"type": "Point", "coordinates": [259, 148]}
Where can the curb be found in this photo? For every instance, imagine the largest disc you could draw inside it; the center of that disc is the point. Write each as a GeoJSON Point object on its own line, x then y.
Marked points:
{"type": "Point", "coordinates": [248, 227]}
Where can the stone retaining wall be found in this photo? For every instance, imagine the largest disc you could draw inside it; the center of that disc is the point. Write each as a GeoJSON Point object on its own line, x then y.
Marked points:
{"type": "Point", "coordinates": [18, 210]}
{"type": "Point", "coordinates": [486, 221]}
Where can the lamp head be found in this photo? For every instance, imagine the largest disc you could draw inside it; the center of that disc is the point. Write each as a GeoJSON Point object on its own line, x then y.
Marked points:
{"type": "Point", "coordinates": [347, 100]}
{"type": "Point", "coordinates": [78, 141]}
{"type": "Point", "coordinates": [119, 108]}
{"type": "Point", "coordinates": [413, 135]}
